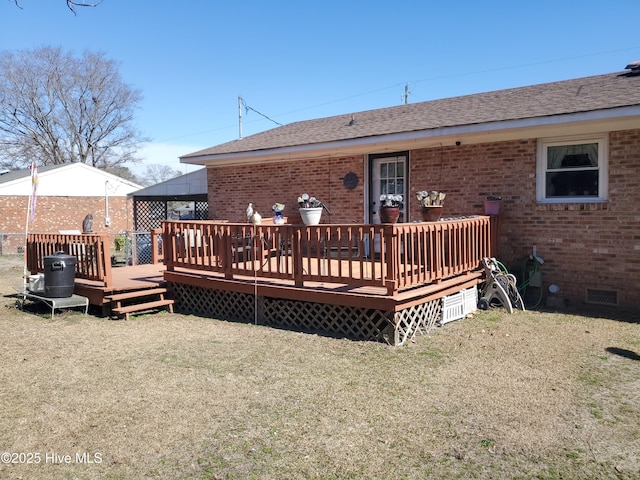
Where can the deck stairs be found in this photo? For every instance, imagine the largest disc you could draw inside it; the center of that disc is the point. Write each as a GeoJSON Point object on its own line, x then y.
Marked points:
{"type": "Point", "coordinates": [123, 304]}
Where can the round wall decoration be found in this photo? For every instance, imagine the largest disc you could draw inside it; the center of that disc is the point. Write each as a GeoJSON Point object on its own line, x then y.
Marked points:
{"type": "Point", "coordinates": [350, 180]}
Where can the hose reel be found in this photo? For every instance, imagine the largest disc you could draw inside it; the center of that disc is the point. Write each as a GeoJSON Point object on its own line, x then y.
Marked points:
{"type": "Point", "coordinates": [499, 288]}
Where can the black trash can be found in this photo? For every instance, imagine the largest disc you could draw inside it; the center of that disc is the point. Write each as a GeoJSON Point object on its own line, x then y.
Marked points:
{"type": "Point", "coordinates": [59, 275]}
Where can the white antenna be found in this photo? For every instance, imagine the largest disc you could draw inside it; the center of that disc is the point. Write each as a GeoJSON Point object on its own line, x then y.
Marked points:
{"type": "Point", "coordinates": [240, 102]}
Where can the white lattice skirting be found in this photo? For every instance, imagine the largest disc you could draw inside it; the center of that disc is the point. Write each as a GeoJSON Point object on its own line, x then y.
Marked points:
{"type": "Point", "coordinates": [357, 323]}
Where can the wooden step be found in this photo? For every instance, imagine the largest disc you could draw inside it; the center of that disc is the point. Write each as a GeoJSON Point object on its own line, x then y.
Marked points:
{"type": "Point", "coordinates": [118, 297]}
{"type": "Point", "coordinates": [138, 301]}
{"type": "Point", "coordinates": [139, 307]}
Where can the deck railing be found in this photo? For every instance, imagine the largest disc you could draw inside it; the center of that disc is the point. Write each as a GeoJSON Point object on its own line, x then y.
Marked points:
{"type": "Point", "coordinates": [392, 256]}
{"type": "Point", "coordinates": [92, 252]}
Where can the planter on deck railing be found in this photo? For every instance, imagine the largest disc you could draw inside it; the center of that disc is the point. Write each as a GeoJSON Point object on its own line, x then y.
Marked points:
{"type": "Point", "coordinates": [431, 213]}
{"type": "Point", "coordinates": [389, 214]}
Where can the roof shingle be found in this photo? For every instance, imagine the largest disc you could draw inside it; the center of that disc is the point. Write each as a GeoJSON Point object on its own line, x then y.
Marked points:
{"type": "Point", "coordinates": [586, 94]}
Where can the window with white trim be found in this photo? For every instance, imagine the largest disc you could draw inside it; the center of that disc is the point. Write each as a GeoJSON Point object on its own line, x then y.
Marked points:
{"type": "Point", "coordinates": [572, 169]}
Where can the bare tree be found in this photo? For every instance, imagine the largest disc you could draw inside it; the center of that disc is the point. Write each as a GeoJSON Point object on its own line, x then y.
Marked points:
{"type": "Point", "coordinates": [56, 108]}
{"type": "Point", "coordinates": [70, 3]}
{"type": "Point", "coordinates": [157, 173]}
{"type": "Point", "coordinates": [126, 173]}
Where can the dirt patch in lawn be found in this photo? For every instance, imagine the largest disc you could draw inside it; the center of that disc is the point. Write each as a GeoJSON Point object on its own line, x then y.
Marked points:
{"type": "Point", "coordinates": [529, 395]}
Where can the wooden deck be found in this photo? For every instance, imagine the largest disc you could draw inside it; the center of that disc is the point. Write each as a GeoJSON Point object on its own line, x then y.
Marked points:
{"type": "Point", "coordinates": [327, 293]}
{"type": "Point", "coordinates": [124, 279]}
{"type": "Point", "coordinates": [368, 281]}
{"type": "Point", "coordinates": [395, 257]}
{"type": "Point", "coordinates": [143, 277]}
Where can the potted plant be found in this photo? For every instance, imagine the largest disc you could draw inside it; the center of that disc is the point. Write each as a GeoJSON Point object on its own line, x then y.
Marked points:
{"type": "Point", "coordinates": [492, 205]}
{"type": "Point", "coordinates": [311, 209]}
{"type": "Point", "coordinates": [119, 243]}
{"type": "Point", "coordinates": [431, 204]}
{"type": "Point", "coordinates": [389, 207]}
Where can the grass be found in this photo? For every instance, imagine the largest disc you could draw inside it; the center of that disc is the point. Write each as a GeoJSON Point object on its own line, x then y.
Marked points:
{"type": "Point", "coordinates": [532, 395]}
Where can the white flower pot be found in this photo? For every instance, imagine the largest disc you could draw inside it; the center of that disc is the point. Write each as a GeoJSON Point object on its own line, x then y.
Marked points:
{"type": "Point", "coordinates": [311, 215]}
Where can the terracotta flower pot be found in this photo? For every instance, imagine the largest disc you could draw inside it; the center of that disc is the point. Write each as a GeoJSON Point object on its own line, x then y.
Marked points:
{"type": "Point", "coordinates": [431, 213]}
{"type": "Point", "coordinates": [389, 214]}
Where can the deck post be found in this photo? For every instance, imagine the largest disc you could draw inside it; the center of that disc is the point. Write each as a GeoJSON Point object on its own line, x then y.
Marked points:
{"type": "Point", "coordinates": [389, 250]}
{"type": "Point", "coordinates": [103, 259]}
{"type": "Point", "coordinates": [168, 246]}
{"type": "Point", "coordinates": [494, 235]}
{"type": "Point", "coordinates": [226, 252]}
{"type": "Point", "coordinates": [156, 256]}
{"type": "Point", "coordinates": [296, 252]}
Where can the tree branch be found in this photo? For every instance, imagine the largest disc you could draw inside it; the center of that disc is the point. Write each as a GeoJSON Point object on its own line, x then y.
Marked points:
{"type": "Point", "coordinates": [72, 4]}
{"type": "Point", "coordinates": [57, 109]}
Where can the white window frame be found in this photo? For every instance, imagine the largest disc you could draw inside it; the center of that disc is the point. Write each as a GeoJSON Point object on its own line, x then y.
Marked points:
{"type": "Point", "coordinates": [601, 139]}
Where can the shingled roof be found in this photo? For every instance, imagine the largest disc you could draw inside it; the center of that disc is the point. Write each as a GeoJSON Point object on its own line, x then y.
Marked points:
{"type": "Point", "coordinates": [12, 175]}
{"type": "Point", "coordinates": [588, 94]}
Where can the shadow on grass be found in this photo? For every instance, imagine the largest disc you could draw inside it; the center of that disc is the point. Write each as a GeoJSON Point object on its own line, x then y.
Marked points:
{"type": "Point", "coordinates": [623, 353]}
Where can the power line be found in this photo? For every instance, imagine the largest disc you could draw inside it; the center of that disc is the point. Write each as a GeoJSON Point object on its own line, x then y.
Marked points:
{"type": "Point", "coordinates": [512, 67]}
{"type": "Point", "coordinates": [241, 103]}
{"type": "Point", "coordinates": [247, 108]}
{"type": "Point", "coordinates": [396, 85]}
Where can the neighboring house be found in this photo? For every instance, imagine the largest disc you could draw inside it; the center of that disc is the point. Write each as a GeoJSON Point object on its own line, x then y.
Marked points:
{"type": "Point", "coordinates": [183, 197]}
{"type": "Point", "coordinates": [66, 194]}
{"type": "Point", "coordinates": [564, 157]}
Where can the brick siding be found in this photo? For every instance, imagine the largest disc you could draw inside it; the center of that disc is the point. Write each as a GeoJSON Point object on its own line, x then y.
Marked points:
{"type": "Point", "coordinates": [232, 188]}
{"type": "Point", "coordinates": [60, 213]}
{"type": "Point", "coordinates": [583, 245]}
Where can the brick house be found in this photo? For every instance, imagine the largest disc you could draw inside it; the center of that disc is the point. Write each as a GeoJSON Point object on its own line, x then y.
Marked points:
{"type": "Point", "coordinates": [66, 194]}
{"type": "Point", "coordinates": [564, 157]}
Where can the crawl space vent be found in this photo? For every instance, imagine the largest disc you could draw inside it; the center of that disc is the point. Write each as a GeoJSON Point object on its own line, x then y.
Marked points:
{"type": "Point", "coordinates": [602, 297]}
{"type": "Point", "coordinates": [459, 305]}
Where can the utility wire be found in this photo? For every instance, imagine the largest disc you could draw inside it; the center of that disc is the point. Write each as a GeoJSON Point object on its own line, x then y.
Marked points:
{"type": "Point", "coordinates": [442, 77]}
{"type": "Point", "coordinates": [247, 108]}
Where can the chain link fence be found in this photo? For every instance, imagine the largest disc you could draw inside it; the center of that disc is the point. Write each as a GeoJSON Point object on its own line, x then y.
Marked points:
{"type": "Point", "coordinates": [134, 248]}
{"type": "Point", "coordinates": [12, 243]}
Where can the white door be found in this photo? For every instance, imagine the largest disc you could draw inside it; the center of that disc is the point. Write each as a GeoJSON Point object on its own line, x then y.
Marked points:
{"type": "Point", "coordinates": [388, 176]}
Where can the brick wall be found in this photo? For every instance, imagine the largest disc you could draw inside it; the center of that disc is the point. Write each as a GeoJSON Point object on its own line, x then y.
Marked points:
{"type": "Point", "coordinates": [232, 188]}
{"type": "Point", "coordinates": [584, 245]}
{"type": "Point", "coordinates": [60, 213]}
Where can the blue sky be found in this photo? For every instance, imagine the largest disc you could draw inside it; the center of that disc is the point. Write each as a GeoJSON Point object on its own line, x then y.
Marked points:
{"type": "Point", "coordinates": [294, 61]}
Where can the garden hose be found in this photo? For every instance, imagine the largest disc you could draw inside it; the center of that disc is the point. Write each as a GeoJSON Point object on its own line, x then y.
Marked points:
{"type": "Point", "coordinates": [531, 270]}
{"type": "Point", "coordinates": [525, 280]}
{"type": "Point", "coordinates": [499, 286]}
